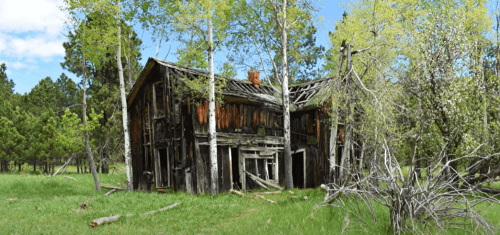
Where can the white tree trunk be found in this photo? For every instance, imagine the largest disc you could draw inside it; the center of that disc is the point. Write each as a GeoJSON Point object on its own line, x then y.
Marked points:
{"type": "Point", "coordinates": [286, 103]}
{"type": "Point", "coordinates": [128, 171]}
{"type": "Point", "coordinates": [333, 145]}
{"type": "Point", "coordinates": [211, 112]}
{"type": "Point", "coordinates": [85, 133]}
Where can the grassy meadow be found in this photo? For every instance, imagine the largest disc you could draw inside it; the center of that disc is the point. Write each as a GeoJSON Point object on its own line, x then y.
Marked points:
{"type": "Point", "coordinates": [48, 205]}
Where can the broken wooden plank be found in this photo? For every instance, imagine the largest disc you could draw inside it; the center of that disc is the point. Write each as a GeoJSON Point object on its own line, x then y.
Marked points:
{"type": "Point", "coordinates": [259, 183]}
{"type": "Point", "coordinates": [264, 182]}
{"type": "Point", "coordinates": [102, 220]}
{"type": "Point", "coordinates": [162, 209]}
{"type": "Point", "coordinates": [110, 192]}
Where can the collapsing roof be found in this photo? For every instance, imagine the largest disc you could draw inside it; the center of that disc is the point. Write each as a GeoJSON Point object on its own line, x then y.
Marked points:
{"type": "Point", "coordinates": [234, 87]}
{"type": "Point", "coordinates": [300, 95]}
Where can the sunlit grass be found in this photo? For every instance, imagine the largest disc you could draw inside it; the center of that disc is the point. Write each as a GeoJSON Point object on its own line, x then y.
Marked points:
{"type": "Point", "coordinates": [46, 205]}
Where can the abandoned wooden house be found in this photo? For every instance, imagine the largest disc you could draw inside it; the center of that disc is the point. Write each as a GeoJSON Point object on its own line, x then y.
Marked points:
{"type": "Point", "coordinates": [169, 133]}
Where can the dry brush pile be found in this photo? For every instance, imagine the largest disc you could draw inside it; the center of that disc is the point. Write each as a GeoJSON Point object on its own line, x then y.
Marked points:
{"type": "Point", "coordinates": [413, 202]}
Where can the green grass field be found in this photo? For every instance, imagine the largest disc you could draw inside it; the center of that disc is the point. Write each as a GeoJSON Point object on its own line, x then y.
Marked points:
{"type": "Point", "coordinates": [47, 205]}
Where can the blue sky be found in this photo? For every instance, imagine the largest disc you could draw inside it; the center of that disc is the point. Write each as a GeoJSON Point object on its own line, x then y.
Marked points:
{"type": "Point", "coordinates": [32, 33]}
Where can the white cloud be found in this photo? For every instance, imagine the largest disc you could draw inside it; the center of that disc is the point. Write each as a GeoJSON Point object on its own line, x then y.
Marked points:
{"type": "Point", "coordinates": [36, 47]}
{"type": "Point", "coordinates": [19, 16]}
{"type": "Point", "coordinates": [2, 44]}
{"type": "Point", "coordinates": [18, 65]}
{"type": "Point", "coordinates": [31, 47]}
{"type": "Point", "coordinates": [30, 31]}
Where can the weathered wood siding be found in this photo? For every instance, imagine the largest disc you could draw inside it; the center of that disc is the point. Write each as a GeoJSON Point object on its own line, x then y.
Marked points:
{"type": "Point", "coordinates": [311, 130]}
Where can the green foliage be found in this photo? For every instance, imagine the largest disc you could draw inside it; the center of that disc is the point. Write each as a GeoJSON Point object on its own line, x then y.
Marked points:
{"type": "Point", "coordinates": [6, 85]}
{"type": "Point", "coordinates": [94, 38]}
{"type": "Point", "coordinates": [261, 131]}
{"type": "Point", "coordinates": [312, 140]}
{"type": "Point", "coordinates": [254, 40]}
{"type": "Point", "coordinates": [11, 145]}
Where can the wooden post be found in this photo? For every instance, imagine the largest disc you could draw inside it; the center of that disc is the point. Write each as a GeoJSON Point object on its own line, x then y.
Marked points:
{"type": "Point", "coordinates": [305, 168]}
{"type": "Point", "coordinates": [276, 169]}
{"type": "Point", "coordinates": [256, 168]}
{"type": "Point", "coordinates": [230, 169]}
{"type": "Point", "coordinates": [242, 171]}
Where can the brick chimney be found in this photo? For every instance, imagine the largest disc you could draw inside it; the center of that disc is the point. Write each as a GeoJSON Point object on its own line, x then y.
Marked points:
{"type": "Point", "coordinates": [253, 77]}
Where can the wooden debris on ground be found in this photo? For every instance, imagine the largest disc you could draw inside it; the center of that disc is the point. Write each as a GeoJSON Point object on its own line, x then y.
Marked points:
{"type": "Point", "coordinates": [82, 206]}
{"type": "Point", "coordinates": [110, 192]}
{"type": "Point", "coordinates": [102, 220]}
{"type": "Point", "coordinates": [110, 219]}
{"type": "Point", "coordinates": [162, 209]}
{"type": "Point", "coordinates": [269, 200]}
{"type": "Point", "coordinates": [112, 187]}
{"type": "Point", "coordinates": [296, 197]}
{"type": "Point", "coordinates": [237, 192]}
{"type": "Point", "coordinates": [259, 183]}
{"type": "Point", "coordinates": [263, 181]}
{"type": "Point", "coordinates": [71, 178]}
{"type": "Point", "coordinates": [270, 192]}
{"type": "Point", "coordinates": [64, 166]}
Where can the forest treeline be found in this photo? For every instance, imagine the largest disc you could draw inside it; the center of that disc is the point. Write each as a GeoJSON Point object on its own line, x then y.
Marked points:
{"type": "Point", "coordinates": [423, 82]}
{"type": "Point", "coordinates": [44, 127]}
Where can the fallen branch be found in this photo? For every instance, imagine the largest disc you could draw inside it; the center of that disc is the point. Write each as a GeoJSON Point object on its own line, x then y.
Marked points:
{"type": "Point", "coordinates": [110, 192]}
{"type": "Point", "coordinates": [269, 200]}
{"type": "Point", "coordinates": [112, 187]}
{"type": "Point", "coordinates": [162, 209]}
{"type": "Point", "coordinates": [270, 192]}
{"type": "Point", "coordinates": [71, 178]}
{"type": "Point", "coordinates": [488, 190]}
{"type": "Point", "coordinates": [237, 192]}
{"type": "Point", "coordinates": [263, 181]}
{"type": "Point", "coordinates": [102, 220]}
{"type": "Point", "coordinates": [64, 166]}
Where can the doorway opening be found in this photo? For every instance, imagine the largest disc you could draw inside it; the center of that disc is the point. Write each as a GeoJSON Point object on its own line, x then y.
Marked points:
{"type": "Point", "coordinates": [299, 168]}
{"type": "Point", "coordinates": [164, 168]}
{"type": "Point", "coordinates": [236, 184]}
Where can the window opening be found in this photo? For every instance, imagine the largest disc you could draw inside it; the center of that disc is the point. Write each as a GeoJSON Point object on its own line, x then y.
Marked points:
{"type": "Point", "coordinates": [158, 100]}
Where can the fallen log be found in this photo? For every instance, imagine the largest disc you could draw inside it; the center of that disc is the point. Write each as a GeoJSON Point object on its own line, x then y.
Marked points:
{"type": "Point", "coordinates": [264, 181]}
{"type": "Point", "coordinates": [71, 178]}
{"type": "Point", "coordinates": [162, 209]}
{"type": "Point", "coordinates": [237, 192]}
{"type": "Point", "coordinates": [110, 192]}
{"type": "Point", "coordinates": [102, 220]}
